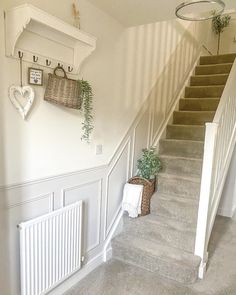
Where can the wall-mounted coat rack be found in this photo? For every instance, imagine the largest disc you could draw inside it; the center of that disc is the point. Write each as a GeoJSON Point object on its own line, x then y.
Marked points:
{"type": "Point", "coordinates": [45, 39]}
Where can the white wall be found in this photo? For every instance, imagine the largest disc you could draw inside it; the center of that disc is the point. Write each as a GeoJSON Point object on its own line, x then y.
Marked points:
{"type": "Point", "coordinates": [52, 134]}
{"type": "Point", "coordinates": [137, 75]}
{"type": "Point", "coordinates": [227, 206]}
{"type": "Point", "coordinates": [122, 70]}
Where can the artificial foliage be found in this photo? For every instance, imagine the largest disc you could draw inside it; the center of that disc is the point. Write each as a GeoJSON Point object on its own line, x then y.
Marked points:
{"type": "Point", "coordinates": [149, 164]}
{"type": "Point", "coordinates": [220, 22]}
{"type": "Point", "coordinates": [86, 94]}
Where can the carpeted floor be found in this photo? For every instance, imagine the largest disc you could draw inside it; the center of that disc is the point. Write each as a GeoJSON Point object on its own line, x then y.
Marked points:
{"type": "Point", "coordinates": [117, 278]}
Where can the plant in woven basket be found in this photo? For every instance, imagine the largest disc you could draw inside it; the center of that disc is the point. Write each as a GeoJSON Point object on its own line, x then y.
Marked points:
{"type": "Point", "coordinates": [86, 95]}
{"type": "Point", "coordinates": [149, 164]}
{"type": "Point", "coordinates": [218, 24]}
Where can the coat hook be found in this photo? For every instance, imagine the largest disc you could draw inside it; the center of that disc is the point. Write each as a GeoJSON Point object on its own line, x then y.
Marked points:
{"type": "Point", "coordinates": [20, 54]}
{"type": "Point", "coordinates": [70, 69]}
{"type": "Point", "coordinates": [35, 59]}
{"type": "Point", "coordinates": [48, 63]}
{"type": "Point", "coordinates": [60, 65]}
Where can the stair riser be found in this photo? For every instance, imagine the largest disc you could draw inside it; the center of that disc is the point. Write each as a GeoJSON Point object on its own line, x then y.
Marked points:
{"type": "Point", "coordinates": [198, 104]}
{"type": "Point", "coordinates": [207, 81]}
{"type": "Point", "coordinates": [162, 207]}
{"type": "Point", "coordinates": [177, 272]}
{"type": "Point", "coordinates": [191, 118]}
{"type": "Point", "coordinates": [181, 167]}
{"type": "Point", "coordinates": [194, 92]}
{"type": "Point", "coordinates": [178, 186]}
{"type": "Point", "coordinates": [217, 59]}
{"type": "Point", "coordinates": [181, 149]}
{"type": "Point", "coordinates": [182, 240]}
{"type": "Point", "coordinates": [185, 132]}
{"type": "Point", "coordinates": [213, 70]}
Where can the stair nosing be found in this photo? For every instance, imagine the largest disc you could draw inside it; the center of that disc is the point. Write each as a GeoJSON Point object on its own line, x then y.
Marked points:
{"type": "Point", "coordinates": [200, 98]}
{"type": "Point", "coordinates": [206, 86]}
{"type": "Point", "coordinates": [173, 197]}
{"type": "Point", "coordinates": [176, 176]}
{"type": "Point", "coordinates": [165, 243]}
{"type": "Point", "coordinates": [180, 158]}
{"type": "Point", "coordinates": [161, 221]}
{"type": "Point", "coordinates": [120, 239]}
{"type": "Point", "coordinates": [181, 140]}
{"type": "Point", "coordinates": [213, 75]}
{"type": "Point", "coordinates": [214, 65]}
{"type": "Point", "coordinates": [189, 125]}
{"type": "Point", "coordinates": [189, 111]}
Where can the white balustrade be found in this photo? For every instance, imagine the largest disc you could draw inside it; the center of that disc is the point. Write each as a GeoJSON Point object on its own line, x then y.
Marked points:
{"type": "Point", "coordinates": [219, 144]}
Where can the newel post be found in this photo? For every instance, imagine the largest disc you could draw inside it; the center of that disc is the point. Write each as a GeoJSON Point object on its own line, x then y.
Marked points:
{"type": "Point", "coordinates": [205, 196]}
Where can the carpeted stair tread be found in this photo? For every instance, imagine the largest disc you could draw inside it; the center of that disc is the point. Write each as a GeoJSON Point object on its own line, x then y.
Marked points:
{"type": "Point", "coordinates": [176, 176]}
{"type": "Point", "coordinates": [178, 184]}
{"type": "Point", "coordinates": [166, 261]}
{"type": "Point", "coordinates": [204, 91]}
{"type": "Point", "coordinates": [199, 104]}
{"type": "Point", "coordinates": [213, 69]}
{"type": "Point", "coordinates": [193, 117]}
{"type": "Point", "coordinates": [159, 221]}
{"type": "Point", "coordinates": [185, 132]}
{"type": "Point", "coordinates": [181, 148]}
{"type": "Point", "coordinates": [161, 230]}
{"type": "Point", "coordinates": [177, 207]}
{"type": "Point", "coordinates": [217, 59]}
{"type": "Point", "coordinates": [206, 80]}
{"type": "Point", "coordinates": [182, 166]}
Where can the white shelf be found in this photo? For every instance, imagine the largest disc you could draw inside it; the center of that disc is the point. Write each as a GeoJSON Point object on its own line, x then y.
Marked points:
{"type": "Point", "coordinates": [37, 33]}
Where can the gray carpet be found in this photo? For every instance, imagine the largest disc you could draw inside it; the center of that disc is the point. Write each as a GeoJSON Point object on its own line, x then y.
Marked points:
{"type": "Point", "coordinates": [118, 278]}
{"type": "Point", "coordinates": [163, 242]}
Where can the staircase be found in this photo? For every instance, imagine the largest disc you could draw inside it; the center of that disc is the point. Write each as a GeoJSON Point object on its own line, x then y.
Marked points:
{"type": "Point", "coordinates": [164, 241]}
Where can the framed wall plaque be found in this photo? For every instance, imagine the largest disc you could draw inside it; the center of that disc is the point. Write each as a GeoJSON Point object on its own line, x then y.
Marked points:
{"type": "Point", "coordinates": [35, 76]}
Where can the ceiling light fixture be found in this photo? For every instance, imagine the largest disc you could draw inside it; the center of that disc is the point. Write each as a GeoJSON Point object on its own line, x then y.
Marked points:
{"type": "Point", "coordinates": [197, 10]}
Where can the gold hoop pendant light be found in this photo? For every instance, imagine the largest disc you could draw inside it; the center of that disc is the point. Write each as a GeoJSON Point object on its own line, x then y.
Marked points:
{"type": "Point", "coordinates": [197, 10]}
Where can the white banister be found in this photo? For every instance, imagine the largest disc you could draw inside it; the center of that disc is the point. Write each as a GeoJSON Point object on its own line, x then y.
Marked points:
{"type": "Point", "coordinates": [220, 139]}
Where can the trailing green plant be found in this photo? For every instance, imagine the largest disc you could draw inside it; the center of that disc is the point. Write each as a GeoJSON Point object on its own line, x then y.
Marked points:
{"type": "Point", "coordinates": [149, 164]}
{"type": "Point", "coordinates": [220, 22]}
{"type": "Point", "coordinates": [86, 94]}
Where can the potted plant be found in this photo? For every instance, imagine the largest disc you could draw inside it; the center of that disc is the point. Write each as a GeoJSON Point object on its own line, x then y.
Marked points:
{"type": "Point", "coordinates": [218, 24]}
{"type": "Point", "coordinates": [148, 167]}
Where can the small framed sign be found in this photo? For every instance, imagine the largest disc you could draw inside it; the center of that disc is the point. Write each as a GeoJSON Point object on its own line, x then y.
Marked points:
{"type": "Point", "coordinates": [35, 76]}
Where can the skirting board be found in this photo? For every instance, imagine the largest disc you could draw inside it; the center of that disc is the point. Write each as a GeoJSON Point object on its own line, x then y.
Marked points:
{"type": "Point", "coordinates": [72, 281]}
{"type": "Point", "coordinates": [226, 212]}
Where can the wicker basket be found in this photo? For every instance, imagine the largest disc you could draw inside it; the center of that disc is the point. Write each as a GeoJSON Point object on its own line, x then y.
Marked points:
{"type": "Point", "coordinates": [148, 190]}
{"type": "Point", "coordinates": [63, 91]}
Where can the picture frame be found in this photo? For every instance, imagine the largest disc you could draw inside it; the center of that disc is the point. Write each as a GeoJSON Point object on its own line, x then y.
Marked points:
{"type": "Point", "coordinates": [35, 77]}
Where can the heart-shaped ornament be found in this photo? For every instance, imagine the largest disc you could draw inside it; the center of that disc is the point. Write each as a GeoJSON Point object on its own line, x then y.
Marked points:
{"type": "Point", "coordinates": [22, 98]}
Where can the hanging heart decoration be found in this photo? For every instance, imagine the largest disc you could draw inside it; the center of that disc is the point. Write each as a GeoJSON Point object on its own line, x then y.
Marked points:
{"type": "Point", "coordinates": [22, 98]}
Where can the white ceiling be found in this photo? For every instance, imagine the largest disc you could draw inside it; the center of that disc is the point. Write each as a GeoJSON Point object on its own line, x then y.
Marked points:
{"type": "Point", "coordinates": [137, 12]}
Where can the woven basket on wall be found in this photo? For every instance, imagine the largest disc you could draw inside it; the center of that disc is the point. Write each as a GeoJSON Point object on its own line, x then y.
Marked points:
{"type": "Point", "coordinates": [148, 190]}
{"type": "Point", "coordinates": [63, 91]}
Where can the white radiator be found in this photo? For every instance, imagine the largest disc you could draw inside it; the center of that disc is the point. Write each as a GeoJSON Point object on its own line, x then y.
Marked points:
{"type": "Point", "coordinates": [50, 249]}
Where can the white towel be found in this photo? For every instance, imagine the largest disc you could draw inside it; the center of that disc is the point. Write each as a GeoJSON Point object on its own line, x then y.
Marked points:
{"type": "Point", "coordinates": [132, 199]}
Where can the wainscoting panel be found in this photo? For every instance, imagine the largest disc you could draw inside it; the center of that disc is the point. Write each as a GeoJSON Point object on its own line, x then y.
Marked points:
{"type": "Point", "coordinates": [141, 138]}
{"type": "Point", "coordinates": [117, 177]}
{"type": "Point", "coordinates": [91, 195]}
{"type": "Point", "coordinates": [27, 201]}
{"type": "Point", "coordinates": [16, 213]}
